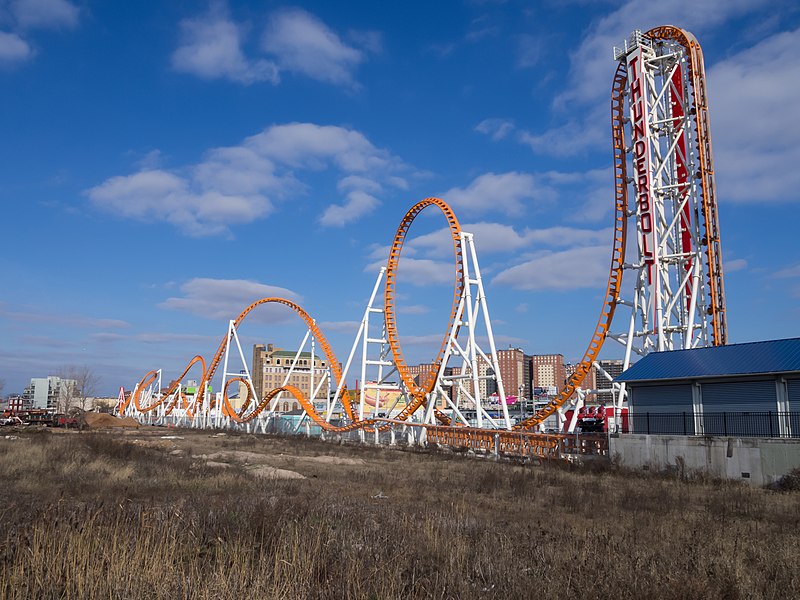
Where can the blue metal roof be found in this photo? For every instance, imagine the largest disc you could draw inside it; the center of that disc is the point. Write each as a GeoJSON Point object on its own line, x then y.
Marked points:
{"type": "Point", "coordinates": [772, 356]}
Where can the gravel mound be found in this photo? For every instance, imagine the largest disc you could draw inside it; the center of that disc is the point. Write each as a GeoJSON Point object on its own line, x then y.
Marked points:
{"type": "Point", "coordinates": [102, 420]}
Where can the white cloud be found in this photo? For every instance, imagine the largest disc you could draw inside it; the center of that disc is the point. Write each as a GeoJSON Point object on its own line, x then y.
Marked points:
{"type": "Point", "coordinates": [431, 339]}
{"type": "Point", "coordinates": [585, 196]}
{"type": "Point", "coordinates": [420, 271]}
{"type": "Point", "coordinates": [489, 237]}
{"type": "Point", "coordinates": [211, 48]}
{"type": "Point", "coordinates": [584, 267]}
{"type": "Point", "coordinates": [530, 50]}
{"type": "Point", "coordinates": [358, 204]}
{"type": "Point", "coordinates": [154, 337]}
{"type": "Point", "coordinates": [23, 16]}
{"type": "Point", "coordinates": [574, 137]}
{"type": "Point", "coordinates": [785, 273]}
{"type": "Point", "coordinates": [26, 315]}
{"type": "Point", "coordinates": [569, 236]}
{"type": "Point", "coordinates": [340, 326]}
{"type": "Point", "coordinates": [497, 237]}
{"type": "Point", "coordinates": [239, 184]}
{"type": "Point", "coordinates": [302, 43]}
{"type": "Point", "coordinates": [592, 67]}
{"type": "Point", "coordinates": [44, 14]}
{"type": "Point", "coordinates": [355, 182]}
{"type": "Point", "coordinates": [225, 299]}
{"type": "Point", "coordinates": [309, 145]}
{"type": "Point", "coordinates": [237, 170]}
{"type": "Point", "coordinates": [214, 46]}
{"type": "Point", "coordinates": [754, 105]}
{"type": "Point", "coordinates": [165, 196]}
{"type": "Point", "coordinates": [413, 309]}
{"type": "Point", "coordinates": [497, 129]}
{"type": "Point", "coordinates": [502, 340]}
{"type": "Point", "coordinates": [13, 49]}
{"type": "Point", "coordinates": [504, 192]}
{"type": "Point", "coordinates": [731, 266]}
{"type": "Point", "coordinates": [371, 41]}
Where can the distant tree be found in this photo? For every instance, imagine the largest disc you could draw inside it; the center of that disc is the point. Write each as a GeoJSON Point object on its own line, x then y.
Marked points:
{"type": "Point", "coordinates": [77, 394]}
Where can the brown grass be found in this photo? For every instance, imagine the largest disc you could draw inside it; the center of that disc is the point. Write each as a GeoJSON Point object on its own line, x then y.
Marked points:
{"type": "Point", "coordinates": [131, 515]}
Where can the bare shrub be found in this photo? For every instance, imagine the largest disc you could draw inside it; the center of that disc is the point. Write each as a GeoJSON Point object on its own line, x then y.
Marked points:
{"type": "Point", "coordinates": [789, 482]}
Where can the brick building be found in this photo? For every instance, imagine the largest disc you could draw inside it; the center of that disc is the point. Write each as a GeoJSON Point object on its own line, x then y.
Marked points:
{"type": "Point", "coordinates": [614, 368]}
{"type": "Point", "coordinates": [589, 382]}
{"type": "Point", "coordinates": [271, 366]}
{"type": "Point", "coordinates": [548, 370]}
{"type": "Point", "coordinates": [515, 372]}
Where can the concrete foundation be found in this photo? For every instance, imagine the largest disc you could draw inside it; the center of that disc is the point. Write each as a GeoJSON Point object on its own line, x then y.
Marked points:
{"type": "Point", "coordinates": [757, 461]}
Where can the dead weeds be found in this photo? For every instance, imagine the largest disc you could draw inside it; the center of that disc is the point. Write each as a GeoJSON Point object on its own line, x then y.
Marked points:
{"type": "Point", "coordinates": [143, 514]}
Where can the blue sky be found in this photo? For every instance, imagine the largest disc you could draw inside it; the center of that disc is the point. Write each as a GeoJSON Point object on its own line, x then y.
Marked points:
{"type": "Point", "coordinates": [164, 164]}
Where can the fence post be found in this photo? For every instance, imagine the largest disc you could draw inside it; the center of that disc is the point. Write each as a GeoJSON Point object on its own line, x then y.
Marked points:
{"type": "Point", "coordinates": [770, 424]}
{"type": "Point", "coordinates": [683, 418]}
{"type": "Point", "coordinates": [648, 423]}
{"type": "Point", "coordinates": [724, 423]}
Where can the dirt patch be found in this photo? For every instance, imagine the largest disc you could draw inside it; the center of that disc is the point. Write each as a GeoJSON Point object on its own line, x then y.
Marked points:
{"type": "Point", "coordinates": [333, 460]}
{"type": "Point", "coordinates": [236, 455]}
{"type": "Point", "coordinates": [246, 457]}
{"type": "Point", "coordinates": [213, 463]}
{"type": "Point", "coordinates": [103, 420]}
{"type": "Point", "coordinates": [253, 462]}
{"type": "Point", "coordinates": [159, 444]}
{"type": "Point", "coordinates": [267, 472]}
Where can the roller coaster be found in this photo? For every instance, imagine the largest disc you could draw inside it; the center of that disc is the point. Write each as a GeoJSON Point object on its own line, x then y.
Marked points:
{"type": "Point", "coordinates": [665, 289]}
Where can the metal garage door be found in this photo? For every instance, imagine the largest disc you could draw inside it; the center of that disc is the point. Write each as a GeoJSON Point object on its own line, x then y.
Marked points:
{"type": "Point", "coordinates": [746, 408]}
{"type": "Point", "coordinates": [665, 409]}
{"type": "Point", "coordinates": [793, 387]}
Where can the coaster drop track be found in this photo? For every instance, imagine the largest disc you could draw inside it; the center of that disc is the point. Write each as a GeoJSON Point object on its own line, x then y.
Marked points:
{"type": "Point", "coordinates": [420, 392]}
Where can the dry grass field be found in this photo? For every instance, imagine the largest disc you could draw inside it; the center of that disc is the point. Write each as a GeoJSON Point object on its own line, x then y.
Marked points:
{"type": "Point", "coordinates": [138, 515]}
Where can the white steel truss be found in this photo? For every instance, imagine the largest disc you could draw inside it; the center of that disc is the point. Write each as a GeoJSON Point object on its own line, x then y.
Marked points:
{"type": "Point", "coordinates": [464, 386]}
{"type": "Point", "coordinates": [669, 307]}
{"type": "Point", "coordinates": [460, 389]}
{"type": "Point", "coordinates": [376, 368]}
{"type": "Point", "coordinates": [467, 379]}
{"type": "Point", "coordinates": [316, 380]}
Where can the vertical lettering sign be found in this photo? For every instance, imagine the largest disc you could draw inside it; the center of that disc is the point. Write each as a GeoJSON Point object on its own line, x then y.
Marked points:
{"type": "Point", "coordinates": [678, 113]}
{"type": "Point", "coordinates": [641, 158]}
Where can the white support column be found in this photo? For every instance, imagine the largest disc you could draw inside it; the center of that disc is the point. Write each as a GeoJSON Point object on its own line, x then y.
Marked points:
{"type": "Point", "coordinates": [697, 408]}
{"type": "Point", "coordinates": [362, 339]}
{"type": "Point", "coordinates": [782, 405]}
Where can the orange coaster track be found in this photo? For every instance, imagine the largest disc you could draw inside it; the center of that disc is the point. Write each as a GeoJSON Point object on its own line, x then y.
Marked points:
{"type": "Point", "coordinates": [419, 392]}
{"type": "Point", "coordinates": [713, 251]}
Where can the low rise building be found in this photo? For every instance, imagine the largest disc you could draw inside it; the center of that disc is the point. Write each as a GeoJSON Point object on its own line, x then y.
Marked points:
{"type": "Point", "coordinates": [50, 392]}
{"type": "Point", "coordinates": [750, 389]}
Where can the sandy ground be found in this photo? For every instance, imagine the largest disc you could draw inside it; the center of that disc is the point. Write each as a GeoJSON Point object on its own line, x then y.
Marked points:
{"type": "Point", "coordinates": [263, 461]}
